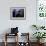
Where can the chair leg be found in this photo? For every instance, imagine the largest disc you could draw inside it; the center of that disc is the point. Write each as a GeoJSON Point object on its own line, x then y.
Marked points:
{"type": "Point", "coordinates": [5, 40]}
{"type": "Point", "coordinates": [5, 43]}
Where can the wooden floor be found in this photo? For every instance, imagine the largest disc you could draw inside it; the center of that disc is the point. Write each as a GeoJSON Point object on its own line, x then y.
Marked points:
{"type": "Point", "coordinates": [13, 44]}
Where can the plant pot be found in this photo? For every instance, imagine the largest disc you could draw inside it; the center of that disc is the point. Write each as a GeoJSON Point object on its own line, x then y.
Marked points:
{"type": "Point", "coordinates": [40, 40]}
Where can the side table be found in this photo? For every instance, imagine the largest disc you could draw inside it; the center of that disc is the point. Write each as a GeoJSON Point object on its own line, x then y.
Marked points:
{"type": "Point", "coordinates": [8, 34]}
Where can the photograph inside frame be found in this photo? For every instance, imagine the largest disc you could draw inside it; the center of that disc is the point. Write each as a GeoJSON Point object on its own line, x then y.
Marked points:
{"type": "Point", "coordinates": [17, 12]}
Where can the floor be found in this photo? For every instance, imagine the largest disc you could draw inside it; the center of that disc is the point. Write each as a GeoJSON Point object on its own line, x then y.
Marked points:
{"type": "Point", "coordinates": [13, 44]}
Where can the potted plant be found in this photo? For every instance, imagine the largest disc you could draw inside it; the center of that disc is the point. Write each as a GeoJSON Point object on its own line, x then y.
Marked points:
{"type": "Point", "coordinates": [39, 35]}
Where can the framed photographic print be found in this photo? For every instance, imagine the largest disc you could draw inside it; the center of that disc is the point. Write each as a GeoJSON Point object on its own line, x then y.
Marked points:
{"type": "Point", "coordinates": [41, 8]}
{"type": "Point", "coordinates": [41, 12]}
{"type": "Point", "coordinates": [17, 13]}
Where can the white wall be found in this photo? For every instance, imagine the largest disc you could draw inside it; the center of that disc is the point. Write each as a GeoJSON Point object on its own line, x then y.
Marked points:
{"type": "Point", "coordinates": [24, 25]}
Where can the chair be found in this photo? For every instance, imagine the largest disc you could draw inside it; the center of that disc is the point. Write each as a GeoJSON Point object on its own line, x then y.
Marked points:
{"type": "Point", "coordinates": [14, 32]}
{"type": "Point", "coordinates": [7, 35]}
{"type": "Point", "coordinates": [26, 37]}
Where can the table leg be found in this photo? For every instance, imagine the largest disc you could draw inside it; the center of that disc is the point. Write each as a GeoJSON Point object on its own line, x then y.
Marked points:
{"type": "Point", "coordinates": [5, 40]}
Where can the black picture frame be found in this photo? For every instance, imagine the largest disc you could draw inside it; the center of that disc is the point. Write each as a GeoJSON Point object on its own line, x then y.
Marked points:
{"type": "Point", "coordinates": [17, 13]}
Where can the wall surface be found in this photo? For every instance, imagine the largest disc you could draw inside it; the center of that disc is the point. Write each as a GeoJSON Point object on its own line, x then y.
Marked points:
{"type": "Point", "coordinates": [24, 25]}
